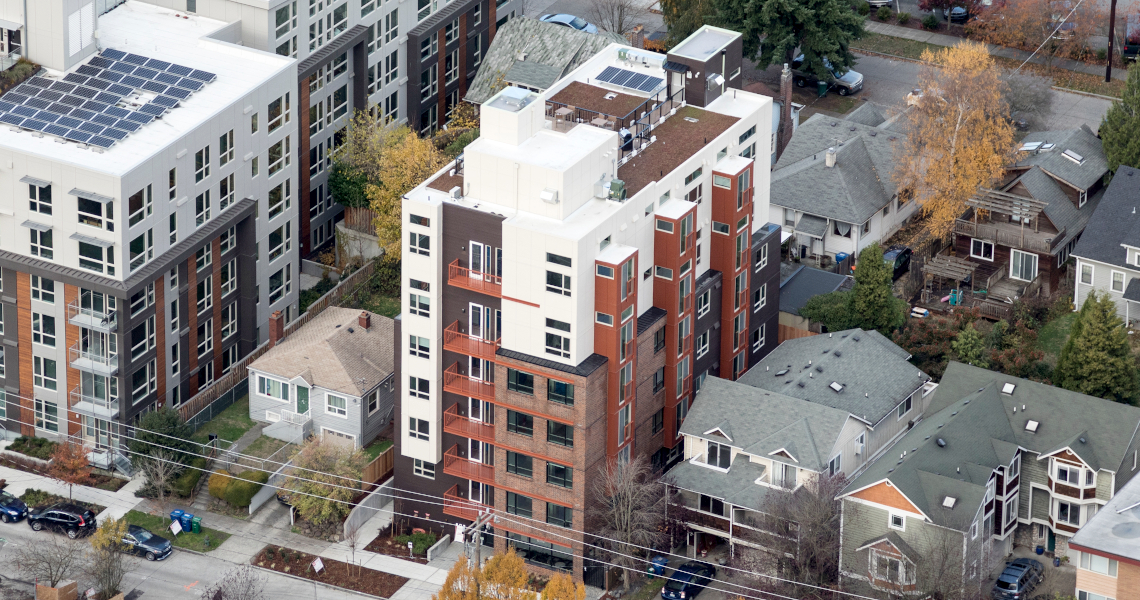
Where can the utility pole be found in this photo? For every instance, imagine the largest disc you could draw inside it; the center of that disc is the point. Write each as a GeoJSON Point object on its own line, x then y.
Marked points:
{"type": "Point", "coordinates": [1111, 34]}
{"type": "Point", "coordinates": [477, 535]}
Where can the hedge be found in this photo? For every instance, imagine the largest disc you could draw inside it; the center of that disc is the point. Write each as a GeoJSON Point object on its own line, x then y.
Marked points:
{"type": "Point", "coordinates": [240, 493]}
{"type": "Point", "coordinates": [186, 482]}
{"type": "Point", "coordinates": [220, 481]}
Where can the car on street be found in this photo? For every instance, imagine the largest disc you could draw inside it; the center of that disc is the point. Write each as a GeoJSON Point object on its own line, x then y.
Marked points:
{"type": "Point", "coordinates": [958, 15]}
{"type": "Point", "coordinates": [12, 509]}
{"type": "Point", "coordinates": [144, 543]}
{"type": "Point", "coordinates": [571, 21]}
{"type": "Point", "coordinates": [898, 259]}
{"type": "Point", "coordinates": [63, 517]}
{"type": "Point", "coordinates": [1017, 581]}
{"type": "Point", "coordinates": [846, 83]}
{"type": "Point", "coordinates": [688, 580]}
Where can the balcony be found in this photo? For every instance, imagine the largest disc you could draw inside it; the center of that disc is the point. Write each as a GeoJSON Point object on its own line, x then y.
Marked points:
{"type": "Point", "coordinates": [457, 341]}
{"type": "Point", "coordinates": [1009, 234]}
{"type": "Point", "coordinates": [741, 339]}
{"type": "Point", "coordinates": [461, 425]}
{"type": "Point", "coordinates": [92, 319]}
{"type": "Point", "coordinates": [101, 363]}
{"type": "Point", "coordinates": [458, 466]}
{"type": "Point", "coordinates": [741, 300]}
{"type": "Point", "coordinates": [685, 346]}
{"type": "Point", "coordinates": [101, 408]}
{"type": "Point", "coordinates": [625, 391]}
{"type": "Point", "coordinates": [458, 506]}
{"type": "Point", "coordinates": [288, 416]}
{"type": "Point", "coordinates": [476, 281]}
{"type": "Point", "coordinates": [465, 385]}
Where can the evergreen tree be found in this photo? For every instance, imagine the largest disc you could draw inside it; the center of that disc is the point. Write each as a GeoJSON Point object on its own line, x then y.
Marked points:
{"type": "Point", "coordinates": [873, 305]}
{"type": "Point", "coordinates": [1120, 130]}
{"type": "Point", "coordinates": [970, 347]}
{"type": "Point", "coordinates": [162, 428]}
{"type": "Point", "coordinates": [683, 17]}
{"type": "Point", "coordinates": [1063, 372]}
{"type": "Point", "coordinates": [818, 28]}
{"type": "Point", "coordinates": [1100, 362]}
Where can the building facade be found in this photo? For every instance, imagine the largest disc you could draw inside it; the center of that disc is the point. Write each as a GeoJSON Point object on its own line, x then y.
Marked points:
{"type": "Point", "coordinates": [1108, 259]}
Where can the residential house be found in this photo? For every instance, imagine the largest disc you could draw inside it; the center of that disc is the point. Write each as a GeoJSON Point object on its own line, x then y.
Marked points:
{"type": "Point", "coordinates": [798, 284]}
{"type": "Point", "coordinates": [1020, 234]}
{"type": "Point", "coordinates": [1108, 258]}
{"type": "Point", "coordinates": [1105, 551]}
{"type": "Point", "coordinates": [998, 461]}
{"type": "Point", "coordinates": [833, 186]}
{"type": "Point", "coordinates": [336, 377]}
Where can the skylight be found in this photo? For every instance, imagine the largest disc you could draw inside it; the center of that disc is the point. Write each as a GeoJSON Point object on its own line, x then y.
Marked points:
{"type": "Point", "coordinates": [1008, 388]}
{"type": "Point", "coordinates": [1031, 426]}
{"type": "Point", "coordinates": [835, 385]}
{"type": "Point", "coordinates": [1073, 156]}
{"type": "Point", "coordinates": [949, 501]}
{"type": "Point", "coordinates": [1030, 146]}
{"type": "Point", "coordinates": [781, 372]}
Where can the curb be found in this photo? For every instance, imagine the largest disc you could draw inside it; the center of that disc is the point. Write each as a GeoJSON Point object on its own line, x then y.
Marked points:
{"type": "Point", "coordinates": [1079, 92]}
{"type": "Point", "coordinates": [322, 584]}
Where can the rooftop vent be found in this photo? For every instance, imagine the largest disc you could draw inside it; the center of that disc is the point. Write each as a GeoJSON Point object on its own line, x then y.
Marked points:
{"type": "Point", "coordinates": [852, 128]}
{"type": "Point", "coordinates": [838, 353]}
{"type": "Point", "coordinates": [941, 443]}
{"type": "Point", "coordinates": [1008, 388]}
{"type": "Point", "coordinates": [856, 338]}
{"type": "Point", "coordinates": [781, 372]}
{"type": "Point", "coordinates": [1081, 440]}
{"type": "Point", "coordinates": [800, 383]}
{"type": "Point", "coordinates": [835, 385]}
{"type": "Point", "coordinates": [874, 133]}
{"type": "Point", "coordinates": [834, 123]}
{"type": "Point", "coordinates": [692, 119]}
{"type": "Point", "coordinates": [949, 502]}
{"type": "Point", "coordinates": [818, 369]}
{"type": "Point", "coordinates": [1031, 426]}
{"type": "Point", "coordinates": [1073, 156]}
{"type": "Point", "coordinates": [611, 96]}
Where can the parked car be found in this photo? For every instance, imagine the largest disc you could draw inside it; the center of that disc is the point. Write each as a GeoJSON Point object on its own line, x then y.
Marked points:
{"type": "Point", "coordinates": [957, 15]}
{"type": "Point", "coordinates": [1017, 581]}
{"type": "Point", "coordinates": [571, 21]}
{"type": "Point", "coordinates": [63, 518]}
{"type": "Point", "coordinates": [144, 543]}
{"type": "Point", "coordinates": [845, 83]}
{"type": "Point", "coordinates": [688, 580]}
{"type": "Point", "coordinates": [12, 509]}
{"type": "Point", "coordinates": [898, 258]}
{"type": "Point", "coordinates": [284, 498]}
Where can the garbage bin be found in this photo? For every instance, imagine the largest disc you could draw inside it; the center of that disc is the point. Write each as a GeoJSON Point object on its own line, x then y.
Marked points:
{"type": "Point", "coordinates": [187, 521]}
{"type": "Point", "coordinates": [175, 515]}
{"type": "Point", "coordinates": [840, 262]}
{"type": "Point", "coordinates": [196, 523]}
{"type": "Point", "coordinates": [657, 565]}
{"type": "Point", "coordinates": [822, 85]}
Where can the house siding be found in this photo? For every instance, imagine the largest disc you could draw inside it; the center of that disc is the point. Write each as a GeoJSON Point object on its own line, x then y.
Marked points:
{"type": "Point", "coordinates": [1102, 283]}
{"type": "Point", "coordinates": [863, 523]}
{"type": "Point", "coordinates": [1041, 504]}
{"type": "Point", "coordinates": [259, 404]}
{"type": "Point", "coordinates": [1032, 470]}
{"type": "Point", "coordinates": [375, 423]}
{"type": "Point", "coordinates": [350, 423]}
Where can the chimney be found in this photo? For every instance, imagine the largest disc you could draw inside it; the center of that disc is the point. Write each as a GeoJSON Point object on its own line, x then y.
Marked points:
{"type": "Point", "coordinates": [829, 158]}
{"type": "Point", "coordinates": [276, 328]}
{"type": "Point", "coordinates": [637, 37]}
{"type": "Point", "coordinates": [364, 320]}
{"type": "Point", "coordinates": [785, 127]}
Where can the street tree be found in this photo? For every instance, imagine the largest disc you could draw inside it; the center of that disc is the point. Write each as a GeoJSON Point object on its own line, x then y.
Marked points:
{"type": "Point", "coordinates": [959, 137]}
{"type": "Point", "coordinates": [1029, 96]}
{"type": "Point", "coordinates": [1036, 25]}
{"type": "Point", "coordinates": [1098, 359]}
{"type": "Point", "coordinates": [162, 430]}
{"type": "Point", "coordinates": [107, 560]}
{"type": "Point", "coordinates": [821, 29]}
{"type": "Point", "coordinates": [683, 17]}
{"type": "Point", "coordinates": [503, 577]}
{"type": "Point", "coordinates": [160, 470]}
{"type": "Point", "coordinates": [1120, 130]}
{"type": "Point", "coordinates": [52, 559]}
{"type": "Point", "coordinates": [405, 160]}
{"type": "Point", "coordinates": [628, 509]}
{"type": "Point", "coordinates": [323, 477]}
{"type": "Point", "coordinates": [873, 303]}
{"type": "Point", "coordinates": [69, 465]}
{"type": "Point", "coordinates": [970, 347]}
{"type": "Point", "coordinates": [462, 582]}
{"type": "Point", "coordinates": [240, 583]}
{"type": "Point", "coordinates": [616, 16]}
{"type": "Point", "coordinates": [562, 587]}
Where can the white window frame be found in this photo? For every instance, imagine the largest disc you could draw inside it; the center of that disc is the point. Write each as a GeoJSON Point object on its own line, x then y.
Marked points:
{"type": "Point", "coordinates": [330, 409]}
{"type": "Point", "coordinates": [1081, 275]}
{"type": "Point", "coordinates": [993, 248]}
{"type": "Point", "coordinates": [264, 388]}
{"type": "Point", "coordinates": [1112, 283]}
{"type": "Point", "coordinates": [891, 515]}
{"type": "Point", "coordinates": [1036, 264]}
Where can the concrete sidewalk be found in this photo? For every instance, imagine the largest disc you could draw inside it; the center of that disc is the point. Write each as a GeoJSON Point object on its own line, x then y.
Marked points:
{"type": "Point", "coordinates": [117, 503]}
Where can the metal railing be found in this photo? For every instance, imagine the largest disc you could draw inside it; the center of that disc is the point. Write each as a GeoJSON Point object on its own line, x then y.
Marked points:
{"type": "Point", "coordinates": [476, 281]}
{"type": "Point", "coordinates": [76, 396]}
{"type": "Point", "coordinates": [91, 318]}
{"type": "Point", "coordinates": [88, 360]}
{"type": "Point", "coordinates": [464, 426]}
{"type": "Point", "coordinates": [1022, 240]}
{"type": "Point", "coordinates": [461, 467]}
{"type": "Point", "coordinates": [458, 506]}
{"type": "Point", "coordinates": [463, 343]}
{"type": "Point", "coordinates": [465, 385]}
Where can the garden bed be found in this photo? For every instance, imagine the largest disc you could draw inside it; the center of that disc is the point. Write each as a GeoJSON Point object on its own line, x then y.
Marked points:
{"type": "Point", "coordinates": [34, 447]}
{"type": "Point", "coordinates": [38, 498]}
{"type": "Point", "coordinates": [398, 546]}
{"type": "Point", "coordinates": [106, 482]}
{"type": "Point", "coordinates": [205, 541]}
{"type": "Point", "coordinates": [335, 573]}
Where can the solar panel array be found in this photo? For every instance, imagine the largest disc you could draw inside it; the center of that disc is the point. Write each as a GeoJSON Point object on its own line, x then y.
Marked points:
{"type": "Point", "coordinates": [85, 106]}
{"type": "Point", "coordinates": [630, 79]}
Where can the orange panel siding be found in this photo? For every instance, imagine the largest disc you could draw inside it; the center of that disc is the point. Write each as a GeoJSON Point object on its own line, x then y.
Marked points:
{"type": "Point", "coordinates": [886, 495]}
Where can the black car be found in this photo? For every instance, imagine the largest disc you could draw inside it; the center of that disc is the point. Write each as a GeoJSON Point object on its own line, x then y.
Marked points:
{"type": "Point", "coordinates": [284, 497]}
{"type": "Point", "coordinates": [12, 509]}
{"type": "Point", "coordinates": [63, 518]}
{"type": "Point", "coordinates": [144, 543]}
{"type": "Point", "coordinates": [688, 580]}
{"type": "Point", "coordinates": [1018, 579]}
{"type": "Point", "coordinates": [898, 259]}
{"type": "Point", "coordinates": [958, 15]}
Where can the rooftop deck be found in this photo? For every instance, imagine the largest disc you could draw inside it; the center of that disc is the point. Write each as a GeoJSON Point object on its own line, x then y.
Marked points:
{"type": "Point", "coordinates": [594, 98]}
{"type": "Point", "coordinates": [678, 139]}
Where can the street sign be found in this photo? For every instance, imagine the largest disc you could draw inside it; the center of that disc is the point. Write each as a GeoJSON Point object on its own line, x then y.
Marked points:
{"type": "Point", "coordinates": [318, 565]}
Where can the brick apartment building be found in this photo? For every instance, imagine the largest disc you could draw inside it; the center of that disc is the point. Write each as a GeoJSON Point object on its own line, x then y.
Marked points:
{"type": "Point", "coordinates": [570, 284]}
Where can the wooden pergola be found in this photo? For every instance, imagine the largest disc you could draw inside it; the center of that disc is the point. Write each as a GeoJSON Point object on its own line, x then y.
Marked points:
{"type": "Point", "coordinates": [1007, 204]}
{"type": "Point", "coordinates": [949, 267]}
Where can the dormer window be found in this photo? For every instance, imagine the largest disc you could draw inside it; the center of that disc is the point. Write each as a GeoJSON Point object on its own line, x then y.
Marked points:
{"type": "Point", "coordinates": [1084, 198]}
{"type": "Point", "coordinates": [719, 455]}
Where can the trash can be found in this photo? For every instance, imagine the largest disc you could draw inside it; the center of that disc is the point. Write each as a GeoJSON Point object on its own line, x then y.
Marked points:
{"type": "Point", "coordinates": [841, 262]}
{"type": "Point", "coordinates": [176, 515]}
{"type": "Point", "coordinates": [196, 523]}
{"type": "Point", "coordinates": [187, 520]}
{"type": "Point", "coordinates": [822, 85]}
{"type": "Point", "coordinates": [657, 565]}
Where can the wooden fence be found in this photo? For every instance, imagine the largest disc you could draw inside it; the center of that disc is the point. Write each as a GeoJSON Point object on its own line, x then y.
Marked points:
{"type": "Point", "coordinates": [787, 332]}
{"type": "Point", "coordinates": [380, 467]}
{"type": "Point", "coordinates": [360, 219]}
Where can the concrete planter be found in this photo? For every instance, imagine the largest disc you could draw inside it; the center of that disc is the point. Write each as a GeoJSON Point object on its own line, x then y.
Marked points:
{"type": "Point", "coordinates": [67, 590]}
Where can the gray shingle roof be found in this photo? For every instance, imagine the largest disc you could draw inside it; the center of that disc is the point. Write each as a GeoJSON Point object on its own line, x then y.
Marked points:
{"type": "Point", "coordinates": [812, 225]}
{"type": "Point", "coordinates": [1115, 221]}
{"type": "Point", "coordinates": [806, 283]}
{"type": "Point", "coordinates": [736, 487]}
{"type": "Point", "coordinates": [873, 371]}
{"type": "Point", "coordinates": [551, 52]}
{"type": "Point", "coordinates": [1081, 141]}
{"type": "Point", "coordinates": [852, 191]}
{"type": "Point", "coordinates": [867, 114]}
{"type": "Point", "coordinates": [1115, 526]}
{"type": "Point", "coordinates": [1059, 209]}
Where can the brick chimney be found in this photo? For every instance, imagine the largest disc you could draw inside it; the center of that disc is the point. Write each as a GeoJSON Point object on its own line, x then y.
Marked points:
{"type": "Point", "coordinates": [784, 133]}
{"type": "Point", "coordinates": [276, 328]}
{"type": "Point", "coordinates": [637, 37]}
{"type": "Point", "coordinates": [364, 320]}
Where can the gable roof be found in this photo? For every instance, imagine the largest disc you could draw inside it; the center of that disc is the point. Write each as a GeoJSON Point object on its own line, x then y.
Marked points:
{"type": "Point", "coordinates": [805, 283]}
{"type": "Point", "coordinates": [333, 352]}
{"type": "Point", "coordinates": [875, 373]}
{"type": "Point", "coordinates": [551, 52]}
{"type": "Point", "coordinates": [1081, 141]}
{"type": "Point", "coordinates": [1115, 221]}
{"type": "Point", "coordinates": [1059, 208]}
{"type": "Point", "coordinates": [867, 114]}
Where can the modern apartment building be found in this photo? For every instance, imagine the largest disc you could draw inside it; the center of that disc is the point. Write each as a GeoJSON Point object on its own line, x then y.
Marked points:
{"type": "Point", "coordinates": [571, 281]}
{"type": "Point", "coordinates": [408, 62]}
{"type": "Point", "coordinates": [151, 215]}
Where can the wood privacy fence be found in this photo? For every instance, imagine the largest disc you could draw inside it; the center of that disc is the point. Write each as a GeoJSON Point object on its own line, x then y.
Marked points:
{"type": "Point", "coordinates": [380, 467]}
{"type": "Point", "coordinates": [200, 408]}
{"type": "Point", "coordinates": [787, 332]}
{"type": "Point", "coordinates": [360, 219]}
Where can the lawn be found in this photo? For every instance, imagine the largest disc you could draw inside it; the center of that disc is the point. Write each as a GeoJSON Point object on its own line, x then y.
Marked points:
{"type": "Point", "coordinates": [230, 424]}
{"type": "Point", "coordinates": [208, 540]}
{"type": "Point", "coordinates": [1053, 336]}
{"type": "Point", "coordinates": [371, 451]}
{"type": "Point", "coordinates": [265, 446]}
{"type": "Point", "coordinates": [650, 590]}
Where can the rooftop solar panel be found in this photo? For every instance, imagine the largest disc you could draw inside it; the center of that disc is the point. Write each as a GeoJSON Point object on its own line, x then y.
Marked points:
{"type": "Point", "coordinates": [119, 89]}
{"type": "Point", "coordinates": [56, 130]}
{"type": "Point", "coordinates": [154, 86]}
{"type": "Point", "coordinates": [622, 77]}
{"type": "Point", "coordinates": [113, 54]}
{"type": "Point", "coordinates": [153, 110]}
{"type": "Point", "coordinates": [92, 128]}
{"type": "Point", "coordinates": [135, 59]}
{"type": "Point", "coordinates": [98, 84]}
{"type": "Point", "coordinates": [40, 82]}
{"type": "Point", "coordinates": [190, 84]}
{"type": "Point", "coordinates": [607, 74]}
{"type": "Point", "coordinates": [101, 62]}
{"type": "Point", "coordinates": [180, 70]}
{"type": "Point", "coordinates": [167, 78]}
{"type": "Point", "coordinates": [88, 70]}
{"type": "Point", "coordinates": [34, 125]}
{"type": "Point", "coordinates": [85, 115]}
{"type": "Point", "coordinates": [101, 142]}
{"type": "Point", "coordinates": [69, 122]}
{"type": "Point", "coordinates": [166, 101]}
{"type": "Point", "coordinates": [115, 134]}
{"type": "Point", "coordinates": [11, 119]}
{"type": "Point", "coordinates": [203, 76]}
{"type": "Point", "coordinates": [104, 120]}
{"type": "Point", "coordinates": [59, 108]}
{"type": "Point", "coordinates": [77, 136]}
{"type": "Point", "coordinates": [25, 111]}
{"type": "Point", "coordinates": [44, 115]}
{"type": "Point", "coordinates": [62, 87]}
{"type": "Point", "coordinates": [50, 96]}
{"type": "Point", "coordinates": [6, 106]}
{"type": "Point", "coordinates": [94, 106]}
{"type": "Point", "coordinates": [636, 81]}
{"type": "Point", "coordinates": [122, 67]}
{"type": "Point", "coordinates": [15, 98]}
{"type": "Point", "coordinates": [141, 118]}
{"type": "Point", "coordinates": [106, 98]}
{"type": "Point", "coordinates": [179, 93]}
{"type": "Point", "coordinates": [145, 73]}
{"type": "Point", "coordinates": [72, 101]}
{"type": "Point", "coordinates": [135, 82]}
{"type": "Point", "coordinates": [75, 78]}
{"type": "Point", "coordinates": [154, 63]}
{"type": "Point", "coordinates": [85, 92]}
{"type": "Point", "coordinates": [115, 111]}
{"type": "Point", "coordinates": [39, 103]}
{"type": "Point", "coordinates": [130, 126]}
{"type": "Point", "coordinates": [111, 76]}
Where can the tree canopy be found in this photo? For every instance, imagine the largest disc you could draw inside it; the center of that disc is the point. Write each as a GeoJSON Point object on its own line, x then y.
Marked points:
{"type": "Point", "coordinates": [1097, 359]}
{"type": "Point", "coordinates": [1120, 130]}
{"type": "Point", "coordinates": [329, 470]}
{"type": "Point", "coordinates": [683, 17]}
{"type": "Point", "coordinates": [502, 577]}
{"type": "Point", "coordinates": [162, 428]}
{"type": "Point", "coordinates": [873, 303]}
{"type": "Point", "coordinates": [970, 346]}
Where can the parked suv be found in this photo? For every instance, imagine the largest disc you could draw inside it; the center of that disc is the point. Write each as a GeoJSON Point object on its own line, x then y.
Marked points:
{"type": "Point", "coordinates": [845, 83]}
{"type": "Point", "coordinates": [1020, 577]}
{"type": "Point", "coordinates": [63, 518]}
{"type": "Point", "coordinates": [688, 580]}
{"type": "Point", "coordinates": [12, 509]}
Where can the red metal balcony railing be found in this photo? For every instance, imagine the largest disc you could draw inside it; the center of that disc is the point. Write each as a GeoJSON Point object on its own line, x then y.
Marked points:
{"type": "Point", "coordinates": [476, 281]}
{"type": "Point", "coordinates": [741, 339]}
{"type": "Point", "coordinates": [465, 385]}
{"type": "Point", "coordinates": [628, 349]}
{"type": "Point", "coordinates": [463, 343]}
{"type": "Point", "coordinates": [685, 346]}
{"type": "Point", "coordinates": [461, 425]}
{"type": "Point", "coordinates": [686, 386]}
{"type": "Point", "coordinates": [458, 466]}
{"type": "Point", "coordinates": [626, 391]}
{"type": "Point", "coordinates": [458, 506]}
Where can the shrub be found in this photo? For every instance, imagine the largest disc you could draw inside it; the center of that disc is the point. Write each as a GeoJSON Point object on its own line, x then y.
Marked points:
{"type": "Point", "coordinates": [930, 22]}
{"type": "Point", "coordinates": [35, 447]}
{"type": "Point", "coordinates": [903, 17]}
{"type": "Point", "coordinates": [420, 542]}
{"type": "Point", "coordinates": [33, 497]}
{"type": "Point", "coordinates": [220, 481]}
{"type": "Point", "coordinates": [1101, 54]}
{"type": "Point", "coordinates": [186, 482]}
{"type": "Point", "coordinates": [864, 8]}
{"type": "Point", "coordinates": [456, 147]}
{"type": "Point", "coordinates": [884, 13]}
{"type": "Point", "coordinates": [240, 493]}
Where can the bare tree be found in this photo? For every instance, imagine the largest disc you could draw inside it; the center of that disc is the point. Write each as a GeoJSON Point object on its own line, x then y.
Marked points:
{"type": "Point", "coordinates": [617, 16]}
{"type": "Point", "coordinates": [1029, 96]}
{"type": "Point", "coordinates": [51, 559]}
{"type": "Point", "coordinates": [352, 538]}
{"type": "Point", "coordinates": [160, 470]}
{"type": "Point", "coordinates": [240, 583]}
{"type": "Point", "coordinates": [629, 507]}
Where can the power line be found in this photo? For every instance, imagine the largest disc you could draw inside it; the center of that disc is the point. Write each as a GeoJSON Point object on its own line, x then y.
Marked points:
{"type": "Point", "coordinates": [1055, 30]}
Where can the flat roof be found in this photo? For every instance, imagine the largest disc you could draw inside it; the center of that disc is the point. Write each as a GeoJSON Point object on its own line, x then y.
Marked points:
{"type": "Point", "coordinates": [1115, 529]}
{"type": "Point", "coordinates": [597, 99]}
{"type": "Point", "coordinates": [156, 33]}
{"type": "Point", "coordinates": [705, 42]}
{"type": "Point", "coordinates": [678, 139]}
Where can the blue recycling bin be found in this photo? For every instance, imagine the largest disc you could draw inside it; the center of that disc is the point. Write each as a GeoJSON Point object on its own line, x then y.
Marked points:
{"type": "Point", "coordinates": [187, 521]}
{"type": "Point", "coordinates": [657, 565]}
{"type": "Point", "coordinates": [175, 515]}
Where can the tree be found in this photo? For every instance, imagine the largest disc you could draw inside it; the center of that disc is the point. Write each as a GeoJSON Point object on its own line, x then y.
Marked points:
{"type": "Point", "coordinates": [1100, 361]}
{"type": "Point", "coordinates": [683, 17]}
{"type": "Point", "coordinates": [329, 471]}
{"type": "Point", "coordinates": [562, 587]}
{"type": "Point", "coordinates": [970, 347]}
{"type": "Point", "coordinates": [240, 583]}
{"type": "Point", "coordinates": [69, 465]}
{"type": "Point", "coordinates": [832, 310]}
{"type": "Point", "coordinates": [1029, 96]}
{"type": "Point", "coordinates": [1120, 130]}
{"type": "Point", "coordinates": [873, 304]}
{"type": "Point", "coordinates": [972, 6]}
{"type": "Point", "coordinates": [820, 29]}
{"type": "Point", "coordinates": [162, 430]}
{"type": "Point", "coordinates": [160, 471]}
{"type": "Point", "coordinates": [1065, 365]}
{"type": "Point", "coordinates": [347, 184]}
{"type": "Point", "coordinates": [108, 563]}
{"type": "Point", "coordinates": [51, 559]}
{"type": "Point", "coordinates": [616, 16]}
{"type": "Point", "coordinates": [629, 506]}
{"type": "Point", "coordinates": [959, 138]}
{"type": "Point", "coordinates": [462, 582]}
{"type": "Point", "coordinates": [405, 160]}
{"type": "Point", "coordinates": [503, 577]}
{"type": "Point", "coordinates": [1032, 25]}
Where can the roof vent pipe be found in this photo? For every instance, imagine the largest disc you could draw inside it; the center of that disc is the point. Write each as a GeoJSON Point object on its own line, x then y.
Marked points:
{"type": "Point", "coordinates": [829, 158]}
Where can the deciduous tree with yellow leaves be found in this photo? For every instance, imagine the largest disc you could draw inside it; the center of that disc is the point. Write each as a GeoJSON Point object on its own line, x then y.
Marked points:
{"type": "Point", "coordinates": [405, 161]}
{"type": "Point", "coordinates": [959, 137]}
{"type": "Point", "coordinates": [562, 587]}
{"type": "Point", "coordinates": [503, 577]}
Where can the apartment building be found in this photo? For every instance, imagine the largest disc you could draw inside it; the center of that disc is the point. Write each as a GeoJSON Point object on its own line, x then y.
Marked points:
{"type": "Point", "coordinates": [1105, 552]}
{"type": "Point", "coordinates": [571, 282]}
{"type": "Point", "coordinates": [152, 214]}
{"type": "Point", "coordinates": [404, 62]}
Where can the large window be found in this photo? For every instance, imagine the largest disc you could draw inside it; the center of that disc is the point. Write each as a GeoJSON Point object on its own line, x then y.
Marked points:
{"type": "Point", "coordinates": [336, 405]}
{"type": "Point", "coordinates": [559, 515]}
{"type": "Point", "coordinates": [520, 464]}
{"type": "Point", "coordinates": [712, 505]}
{"type": "Point", "coordinates": [558, 283]}
{"type": "Point", "coordinates": [541, 553]}
{"type": "Point", "coordinates": [520, 505]}
{"type": "Point", "coordinates": [559, 475]}
{"type": "Point", "coordinates": [43, 289]}
{"type": "Point", "coordinates": [42, 244]}
{"type": "Point", "coordinates": [280, 197]}
{"type": "Point", "coordinates": [520, 423]}
{"type": "Point", "coordinates": [43, 329]}
{"type": "Point", "coordinates": [1098, 564]}
{"type": "Point", "coordinates": [719, 455]}
{"type": "Point", "coordinates": [560, 433]}
{"type": "Point", "coordinates": [141, 205]}
{"type": "Point", "coordinates": [47, 415]}
{"type": "Point", "coordinates": [1068, 512]}
{"type": "Point", "coordinates": [44, 373]}
{"type": "Point", "coordinates": [39, 198]}
{"type": "Point", "coordinates": [520, 381]}
{"type": "Point", "coordinates": [1023, 265]}
{"type": "Point", "coordinates": [982, 249]}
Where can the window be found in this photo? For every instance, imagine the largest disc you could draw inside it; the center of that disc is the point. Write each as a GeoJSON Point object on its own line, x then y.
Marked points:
{"type": "Point", "coordinates": [47, 415]}
{"type": "Point", "coordinates": [559, 475]}
{"type": "Point", "coordinates": [721, 228]}
{"type": "Point", "coordinates": [904, 406]}
{"type": "Point", "coordinates": [254, 171]}
{"type": "Point", "coordinates": [90, 213]}
{"type": "Point", "coordinates": [226, 191]}
{"type": "Point", "coordinates": [560, 392]}
{"type": "Point", "coordinates": [391, 67]}
{"type": "Point", "coordinates": [520, 464]}
{"type": "Point", "coordinates": [279, 156]}
{"type": "Point", "coordinates": [419, 305]}
{"type": "Point", "coordinates": [336, 405]}
{"type": "Point", "coordinates": [142, 249]}
{"type": "Point", "coordinates": [982, 249]}
{"type": "Point", "coordinates": [205, 294]}
{"type": "Point", "coordinates": [286, 19]}
{"type": "Point", "coordinates": [43, 289]}
{"type": "Point", "coordinates": [225, 148]}
{"type": "Point", "coordinates": [419, 346]}
{"type": "Point", "coordinates": [659, 340]}
{"type": "Point", "coordinates": [39, 198]}
{"type": "Point", "coordinates": [1098, 564]}
{"type": "Point", "coordinates": [201, 164]}
{"type": "Point", "coordinates": [143, 381]}
{"type": "Point", "coordinates": [888, 568]}
{"type": "Point", "coordinates": [518, 505]}
{"type": "Point", "coordinates": [1010, 513]}
{"type": "Point", "coordinates": [173, 227]}
{"type": "Point", "coordinates": [557, 345]}
{"type": "Point", "coordinates": [560, 433]}
{"type": "Point", "coordinates": [663, 272]}
{"type": "Point", "coordinates": [520, 381]}
{"type": "Point", "coordinates": [278, 113]}
{"type": "Point", "coordinates": [1015, 467]}
{"type": "Point", "coordinates": [229, 320]}
{"type": "Point", "coordinates": [520, 423]}
{"type": "Point", "coordinates": [897, 521]}
{"type": "Point", "coordinates": [280, 198]}
{"type": "Point", "coordinates": [229, 276]}
{"type": "Point", "coordinates": [142, 338]}
{"type": "Point", "coordinates": [43, 373]}
{"type": "Point", "coordinates": [702, 344]}
{"type": "Point", "coordinates": [558, 283]}
{"type": "Point", "coordinates": [712, 505]}
{"type": "Point", "coordinates": [1083, 595]}
{"type": "Point", "coordinates": [274, 389]}
{"type": "Point", "coordinates": [202, 208]}
{"type": "Point", "coordinates": [280, 240]}
{"type": "Point", "coordinates": [604, 271]}
{"type": "Point", "coordinates": [391, 26]}
{"type": "Point", "coordinates": [281, 283]}
{"type": "Point", "coordinates": [559, 515]}
{"type": "Point", "coordinates": [419, 387]}
{"type": "Point", "coordinates": [719, 455]}
{"type": "Point", "coordinates": [423, 468]}
{"type": "Point", "coordinates": [203, 257]}
{"type": "Point", "coordinates": [205, 337]}
{"type": "Point", "coordinates": [43, 329]}
{"type": "Point", "coordinates": [835, 465]}
{"type": "Point", "coordinates": [758, 337]}
{"type": "Point", "coordinates": [419, 243]}
{"type": "Point", "coordinates": [760, 297]}
{"type": "Point", "coordinates": [418, 429]}
{"type": "Point", "coordinates": [174, 361]}
{"type": "Point", "coordinates": [42, 244]}
{"type": "Point", "coordinates": [1117, 281]}
{"type": "Point", "coordinates": [1023, 265]}
{"type": "Point", "coordinates": [429, 81]}
{"type": "Point", "coordinates": [604, 319]}
{"type": "Point", "coordinates": [1068, 512]}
